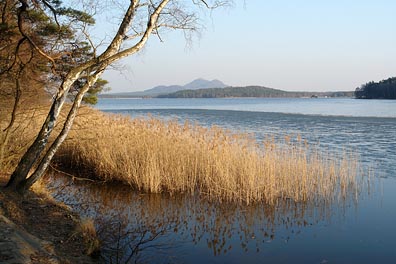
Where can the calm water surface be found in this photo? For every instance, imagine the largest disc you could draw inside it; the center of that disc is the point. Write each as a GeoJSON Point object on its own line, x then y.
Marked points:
{"type": "Point", "coordinates": [179, 229]}
{"type": "Point", "coordinates": [306, 106]}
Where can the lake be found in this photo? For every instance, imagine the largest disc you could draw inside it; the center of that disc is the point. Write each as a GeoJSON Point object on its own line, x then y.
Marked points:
{"type": "Point", "coordinates": [180, 229]}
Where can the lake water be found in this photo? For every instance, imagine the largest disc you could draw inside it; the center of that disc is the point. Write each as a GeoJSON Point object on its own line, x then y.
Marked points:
{"type": "Point", "coordinates": [306, 106]}
{"type": "Point", "coordinates": [180, 229]}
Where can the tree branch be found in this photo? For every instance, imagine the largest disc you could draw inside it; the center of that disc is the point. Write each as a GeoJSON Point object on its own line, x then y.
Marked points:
{"type": "Point", "coordinates": [22, 10]}
{"type": "Point", "coordinates": [53, 11]}
{"type": "Point", "coordinates": [151, 25]}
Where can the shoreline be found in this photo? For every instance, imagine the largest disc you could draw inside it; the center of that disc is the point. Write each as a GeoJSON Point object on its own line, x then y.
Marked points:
{"type": "Point", "coordinates": [35, 229]}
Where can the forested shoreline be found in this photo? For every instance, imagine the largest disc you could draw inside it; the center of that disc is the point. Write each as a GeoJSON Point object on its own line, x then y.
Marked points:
{"type": "Point", "coordinates": [249, 91]}
{"type": "Point", "coordinates": [385, 89]}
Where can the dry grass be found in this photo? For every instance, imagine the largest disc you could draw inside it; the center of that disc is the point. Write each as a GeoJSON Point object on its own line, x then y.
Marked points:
{"type": "Point", "coordinates": [155, 156]}
{"type": "Point", "coordinates": [21, 136]}
{"type": "Point", "coordinates": [88, 231]}
{"type": "Point", "coordinates": [40, 188]}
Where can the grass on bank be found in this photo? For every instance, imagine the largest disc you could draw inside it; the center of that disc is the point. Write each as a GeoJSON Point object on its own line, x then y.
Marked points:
{"type": "Point", "coordinates": [156, 156]}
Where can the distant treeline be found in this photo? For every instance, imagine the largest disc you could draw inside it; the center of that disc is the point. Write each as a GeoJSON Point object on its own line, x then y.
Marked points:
{"type": "Point", "coordinates": [248, 91]}
{"type": "Point", "coordinates": [385, 89]}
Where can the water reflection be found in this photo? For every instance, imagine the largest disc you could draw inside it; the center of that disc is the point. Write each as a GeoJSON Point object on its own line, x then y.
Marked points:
{"type": "Point", "coordinates": [138, 228]}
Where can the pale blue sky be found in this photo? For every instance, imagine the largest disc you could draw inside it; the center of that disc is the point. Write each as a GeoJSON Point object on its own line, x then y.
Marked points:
{"type": "Point", "coordinates": [311, 45]}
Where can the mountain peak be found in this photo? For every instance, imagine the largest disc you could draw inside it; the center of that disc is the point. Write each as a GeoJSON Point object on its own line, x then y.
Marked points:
{"type": "Point", "coordinates": [199, 83]}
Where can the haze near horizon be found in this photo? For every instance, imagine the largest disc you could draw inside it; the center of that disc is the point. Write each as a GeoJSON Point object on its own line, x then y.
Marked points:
{"type": "Point", "coordinates": [289, 45]}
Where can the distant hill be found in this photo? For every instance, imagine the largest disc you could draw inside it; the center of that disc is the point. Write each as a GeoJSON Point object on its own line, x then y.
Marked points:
{"type": "Point", "coordinates": [166, 89]}
{"type": "Point", "coordinates": [201, 88]}
{"type": "Point", "coordinates": [196, 84]}
{"type": "Point", "coordinates": [249, 91]}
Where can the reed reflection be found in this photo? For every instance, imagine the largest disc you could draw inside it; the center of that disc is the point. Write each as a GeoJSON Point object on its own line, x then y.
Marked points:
{"type": "Point", "coordinates": [161, 228]}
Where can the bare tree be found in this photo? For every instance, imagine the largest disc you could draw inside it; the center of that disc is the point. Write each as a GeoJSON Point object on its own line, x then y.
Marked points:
{"type": "Point", "coordinates": [141, 19]}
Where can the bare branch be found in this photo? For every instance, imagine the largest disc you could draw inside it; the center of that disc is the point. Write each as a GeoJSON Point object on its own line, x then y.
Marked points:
{"type": "Point", "coordinates": [205, 3]}
{"type": "Point", "coordinates": [176, 27]}
{"type": "Point", "coordinates": [151, 25]}
{"type": "Point", "coordinates": [215, 5]}
{"type": "Point", "coordinates": [52, 10]}
{"type": "Point", "coordinates": [121, 33]}
{"type": "Point", "coordinates": [88, 37]}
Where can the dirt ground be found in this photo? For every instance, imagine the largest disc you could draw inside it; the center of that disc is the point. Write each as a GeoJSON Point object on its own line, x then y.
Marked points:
{"type": "Point", "coordinates": [34, 229]}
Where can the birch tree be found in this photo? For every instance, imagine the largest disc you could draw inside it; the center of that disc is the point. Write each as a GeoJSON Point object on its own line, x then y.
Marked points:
{"type": "Point", "coordinates": [140, 21]}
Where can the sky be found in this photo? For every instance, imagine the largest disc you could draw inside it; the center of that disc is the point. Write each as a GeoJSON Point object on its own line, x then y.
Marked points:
{"type": "Point", "coordinates": [293, 45]}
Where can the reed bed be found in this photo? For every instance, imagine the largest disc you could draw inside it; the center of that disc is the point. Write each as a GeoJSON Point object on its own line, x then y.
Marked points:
{"type": "Point", "coordinates": [155, 156]}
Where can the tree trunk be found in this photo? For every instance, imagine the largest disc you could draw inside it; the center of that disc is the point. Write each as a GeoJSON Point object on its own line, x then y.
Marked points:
{"type": "Point", "coordinates": [33, 153]}
{"type": "Point", "coordinates": [35, 150]}
{"type": "Point", "coordinates": [46, 160]}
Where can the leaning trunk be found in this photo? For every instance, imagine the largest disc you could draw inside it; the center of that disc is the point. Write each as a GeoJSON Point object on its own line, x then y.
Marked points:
{"type": "Point", "coordinates": [32, 155]}
{"type": "Point", "coordinates": [46, 160]}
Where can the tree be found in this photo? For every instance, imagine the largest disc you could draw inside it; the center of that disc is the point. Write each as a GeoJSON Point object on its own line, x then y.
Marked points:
{"type": "Point", "coordinates": [385, 89]}
{"type": "Point", "coordinates": [22, 69]}
{"type": "Point", "coordinates": [75, 63]}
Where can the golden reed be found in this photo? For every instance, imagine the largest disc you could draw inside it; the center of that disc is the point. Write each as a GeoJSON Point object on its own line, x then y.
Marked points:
{"type": "Point", "coordinates": [156, 156]}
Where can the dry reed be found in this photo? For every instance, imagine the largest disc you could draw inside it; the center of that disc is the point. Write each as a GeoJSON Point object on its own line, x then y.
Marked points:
{"type": "Point", "coordinates": [156, 156]}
